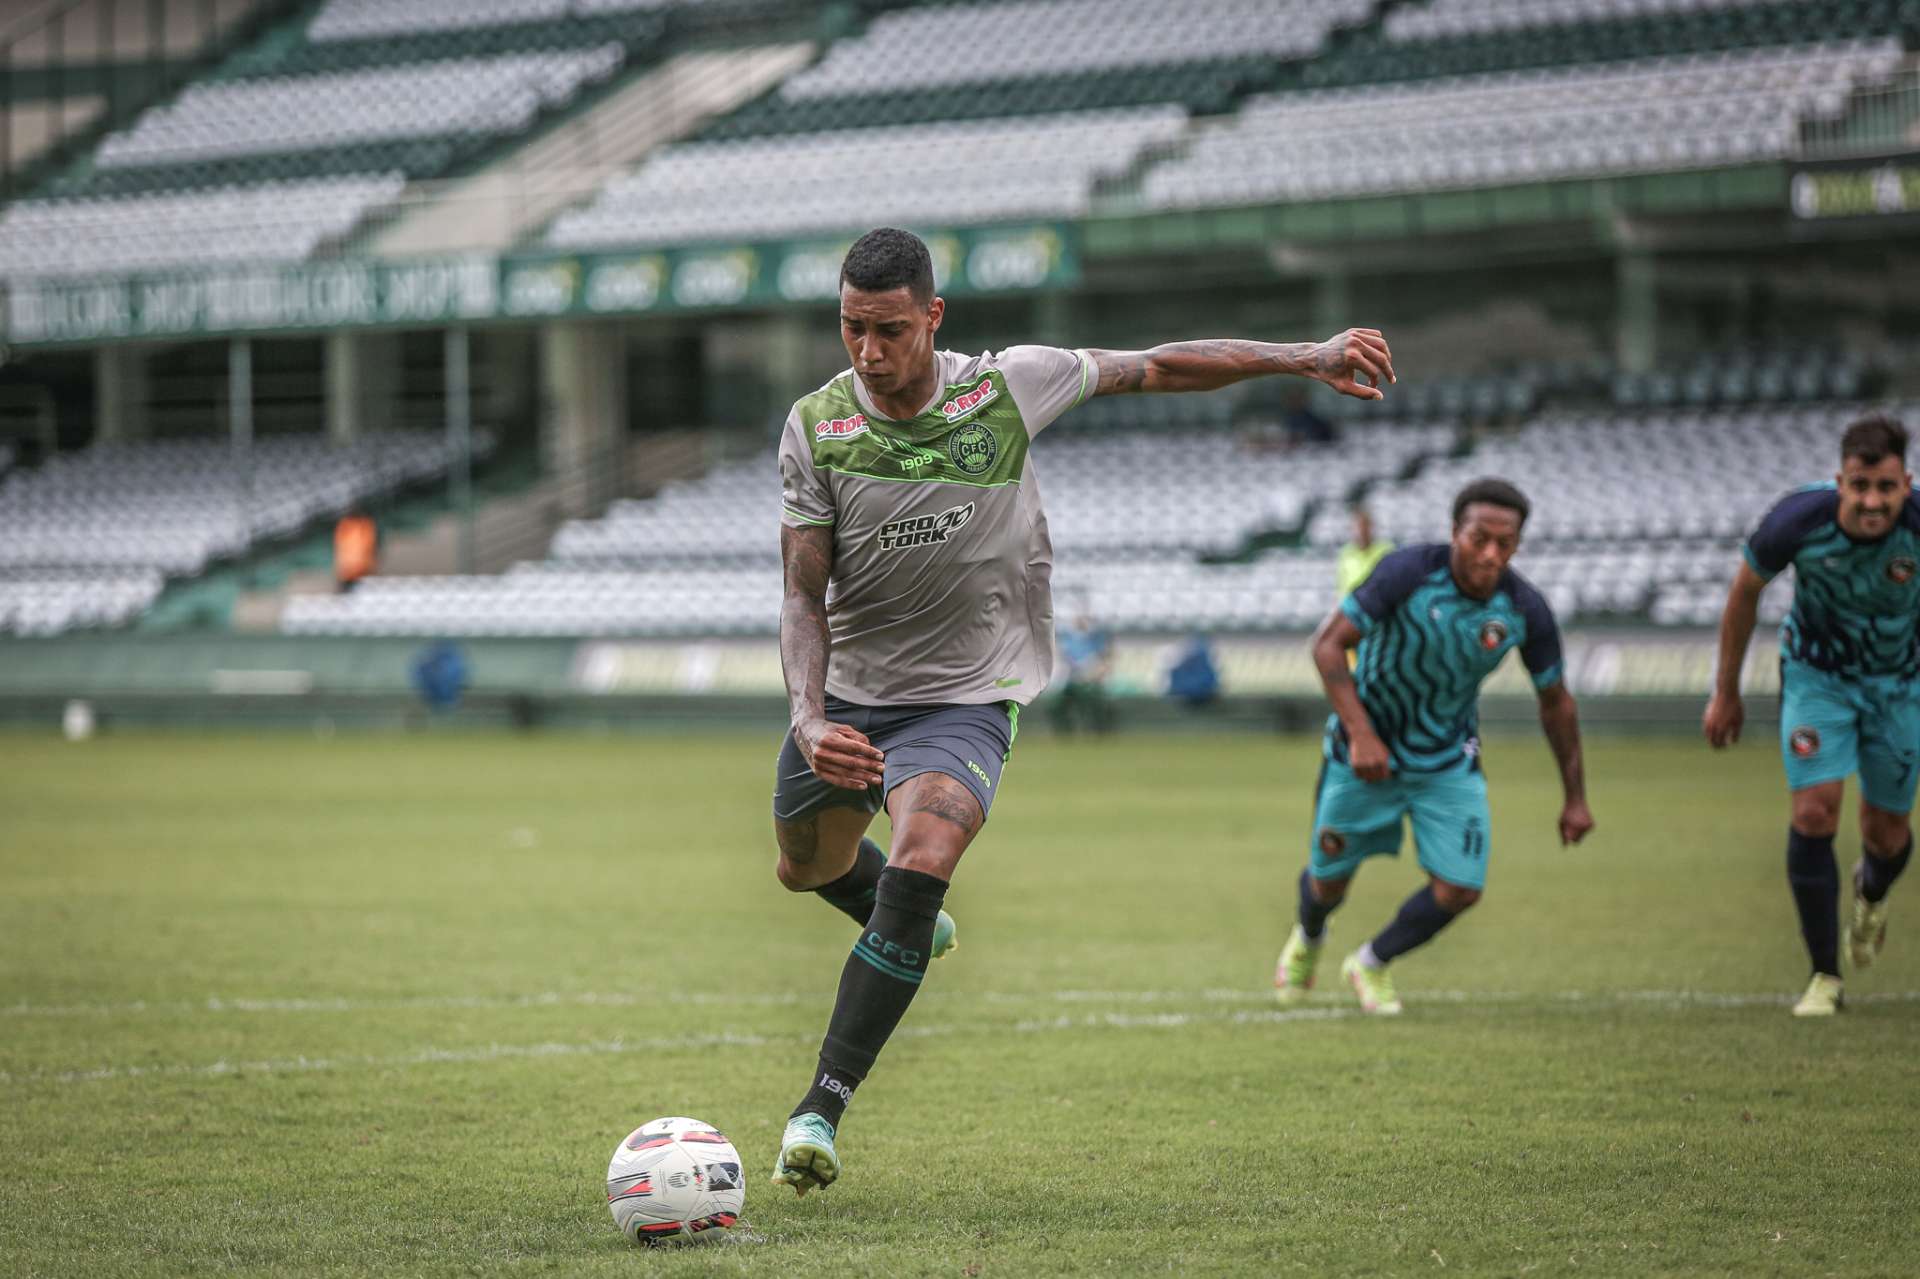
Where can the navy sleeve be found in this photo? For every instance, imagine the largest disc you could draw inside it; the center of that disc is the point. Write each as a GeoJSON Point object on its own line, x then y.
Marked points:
{"type": "Point", "coordinates": [1397, 576]}
{"type": "Point", "coordinates": [1785, 528]}
{"type": "Point", "coordinates": [1541, 651]}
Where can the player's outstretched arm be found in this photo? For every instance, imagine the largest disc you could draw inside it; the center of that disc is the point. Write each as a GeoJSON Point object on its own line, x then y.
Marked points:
{"type": "Point", "coordinates": [1725, 711]}
{"type": "Point", "coordinates": [1366, 753]}
{"type": "Point", "coordinates": [1560, 720]}
{"type": "Point", "coordinates": [838, 754]}
{"type": "Point", "coordinates": [1353, 363]}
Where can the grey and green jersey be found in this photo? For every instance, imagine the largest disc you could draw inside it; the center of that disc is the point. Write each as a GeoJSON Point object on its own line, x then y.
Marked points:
{"type": "Point", "coordinates": [941, 586]}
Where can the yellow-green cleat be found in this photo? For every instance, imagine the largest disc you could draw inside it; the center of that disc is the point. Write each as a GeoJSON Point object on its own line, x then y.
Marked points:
{"type": "Point", "coordinates": [1822, 998]}
{"type": "Point", "coordinates": [1866, 927]}
{"type": "Point", "coordinates": [807, 1158]}
{"type": "Point", "coordinates": [946, 937]}
{"type": "Point", "coordinates": [1374, 986]}
{"type": "Point", "coordinates": [1293, 975]}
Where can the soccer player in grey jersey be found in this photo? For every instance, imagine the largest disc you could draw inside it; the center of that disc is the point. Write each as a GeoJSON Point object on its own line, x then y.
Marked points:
{"type": "Point", "coordinates": [918, 617]}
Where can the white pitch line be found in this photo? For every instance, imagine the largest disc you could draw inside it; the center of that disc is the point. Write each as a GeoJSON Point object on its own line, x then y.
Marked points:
{"type": "Point", "coordinates": [1573, 1000]}
{"type": "Point", "coordinates": [616, 1047]}
{"type": "Point", "coordinates": [227, 1005]}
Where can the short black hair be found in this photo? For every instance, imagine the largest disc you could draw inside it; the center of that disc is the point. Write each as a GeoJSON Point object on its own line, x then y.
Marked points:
{"type": "Point", "coordinates": [1494, 492]}
{"type": "Point", "coordinates": [1873, 438]}
{"type": "Point", "coordinates": [889, 258]}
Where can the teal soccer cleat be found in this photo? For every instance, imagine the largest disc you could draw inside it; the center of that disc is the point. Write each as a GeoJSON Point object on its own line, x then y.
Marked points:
{"type": "Point", "coordinates": [807, 1157]}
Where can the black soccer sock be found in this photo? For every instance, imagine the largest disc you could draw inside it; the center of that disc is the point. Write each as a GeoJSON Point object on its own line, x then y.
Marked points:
{"type": "Point", "coordinates": [1814, 876]}
{"type": "Point", "coordinates": [880, 979]}
{"type": "Point", "coordinates": [1420, 918]}
{"type": "Point", "coordinates": [1878, 873]}
{"type": "Point", "coordinates": [852, 893]}
{"type": "Point", "coordinates": [1313, 913]}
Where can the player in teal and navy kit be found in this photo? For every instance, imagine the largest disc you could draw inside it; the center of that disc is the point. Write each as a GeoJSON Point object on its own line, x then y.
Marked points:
{"type": "Point", "coordinates": [1431, 623]}
{"type": "Point", "coordinates": [1849, 685]}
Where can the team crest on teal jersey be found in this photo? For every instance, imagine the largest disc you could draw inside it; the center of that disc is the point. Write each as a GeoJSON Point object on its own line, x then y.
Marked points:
{"type": "Point", "coordinates": [1493, 633]}
{"type": "Point", "coordinates": [1900, 570]}
{"type": "Point", "coordinates": [973, 448]}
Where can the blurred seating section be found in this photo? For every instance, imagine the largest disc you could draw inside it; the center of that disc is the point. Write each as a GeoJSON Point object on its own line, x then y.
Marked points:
{"type": "Point", "coordinates": [1167, 513]}
{"type": "Point", "coordinates": [283, 148]}
{"type": "Point", "coordinates": [90, 538]}
{"type": "Point", "coordinates": [1690, 112]}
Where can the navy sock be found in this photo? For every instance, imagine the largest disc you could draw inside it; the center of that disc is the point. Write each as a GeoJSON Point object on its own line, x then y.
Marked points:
{"type": "Point", "coordinates": [1313, 913]}
{"type": "Point", "coordinates": [1420, 918]}
{"type": "Point", "coordinates": [852, 893]}
{"type": "Point", "coordinates": [880, 979]}
{"type": "Point", "coordinates": [1814, 876]}
{"type": "Point", "coordinates": [1878, 873]}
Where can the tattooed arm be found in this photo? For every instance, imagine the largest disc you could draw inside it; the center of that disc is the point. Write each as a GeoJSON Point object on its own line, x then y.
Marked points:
{"type": "Point", "coordinates": [1341, 362]}
{"type": "Point", "coordinates": [837, 753]}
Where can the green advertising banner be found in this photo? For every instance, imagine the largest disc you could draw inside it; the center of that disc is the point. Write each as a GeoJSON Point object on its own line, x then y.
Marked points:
{"type": "Point", "coordinates": [364, 293]}
{"type": "Point", "coordinates": [1857, 188]}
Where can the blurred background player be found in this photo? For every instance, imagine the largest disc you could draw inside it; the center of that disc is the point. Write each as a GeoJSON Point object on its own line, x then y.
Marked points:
{"type": "Point", "coordinates": [1360, 554]}
{"type": "Point", "coordinates": [1430, 623]}
{"type": "Point", "coordinates": [1087, 650]}
{"type": "Point", "coordinates": [902, 488]}
{"type": "Point", "coordinates": [1849, 657]}
{"type": "Point", "coordinates": [356, 548]}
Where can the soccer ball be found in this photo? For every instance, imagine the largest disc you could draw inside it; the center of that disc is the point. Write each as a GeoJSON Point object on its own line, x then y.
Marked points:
{"type": "Point", "coordinates": [674, 1179]}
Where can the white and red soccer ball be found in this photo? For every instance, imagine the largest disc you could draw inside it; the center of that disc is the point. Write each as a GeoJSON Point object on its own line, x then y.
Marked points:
{"type": "Point", "coordinates": [674, 1179]}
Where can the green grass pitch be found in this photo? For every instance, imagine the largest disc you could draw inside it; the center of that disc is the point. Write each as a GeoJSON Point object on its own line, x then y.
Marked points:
{"type": "Point", "coordinates": [384, 1005]}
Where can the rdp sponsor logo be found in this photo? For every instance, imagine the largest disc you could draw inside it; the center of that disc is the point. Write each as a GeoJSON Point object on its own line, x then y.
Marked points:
{"type": "Point", "coordinates": [924, 530]}
{"type": "Point", "coordinates": [967, 401]}
{"type": "Point", "coordinates": [841, 428]}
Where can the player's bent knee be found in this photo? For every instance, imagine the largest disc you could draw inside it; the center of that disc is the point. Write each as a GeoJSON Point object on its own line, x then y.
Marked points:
{"type": "Point", "coordinates": [794, 878]}
{"type": "Point", "coordinates": [1883, 833]}
{"type": "Point", "coordinates": [1453, 898]}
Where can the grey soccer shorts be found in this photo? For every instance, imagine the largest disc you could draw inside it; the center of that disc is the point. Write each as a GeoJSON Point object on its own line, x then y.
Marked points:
{"type": "Point", "coordinates": [967, 743]}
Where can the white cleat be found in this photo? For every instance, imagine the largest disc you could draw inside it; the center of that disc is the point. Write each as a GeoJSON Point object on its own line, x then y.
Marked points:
{"type": "Point", "coordinates": [1822, 998]}
{"type": "Point", "coordinates": [1866, 927]}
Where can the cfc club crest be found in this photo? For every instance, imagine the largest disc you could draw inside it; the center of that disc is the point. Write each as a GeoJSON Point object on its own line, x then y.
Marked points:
{"type": "Point", "coordinates": [1804, 742]}
{"type": "Point", "coordinates": [1493, 633]}
{"type": "Point", "coordinates": [1900, 570]}
{"type": "Point", "coordinates": [1332, 843]}
{"type": "Point", "coordinates": [973, 448]}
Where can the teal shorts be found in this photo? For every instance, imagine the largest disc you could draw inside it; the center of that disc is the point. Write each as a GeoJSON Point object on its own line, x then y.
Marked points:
{"type": "Point", "coordinates": [1833, 725]}
{"type": "Point", "coordinates": [1354, 820]}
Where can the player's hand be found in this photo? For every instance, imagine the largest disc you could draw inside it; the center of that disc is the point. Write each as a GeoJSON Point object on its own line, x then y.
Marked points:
{"type": "Point", "coordinates": [1367, 756]}
{"type": "Point", "coordinates": [1354, 363]}
{"type": "Point", "coordinates": [1575, 822]}
{"type": "Point", "coordinates": [1724, 717]}
{"type": "Point", "coordinates": [840, 755]}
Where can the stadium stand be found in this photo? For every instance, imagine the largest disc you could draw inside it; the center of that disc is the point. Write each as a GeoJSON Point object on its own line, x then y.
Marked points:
{"type": "Point", "coordinates": [1634, 513]}
{"type": "Point", "coordinates": [1039, 167]}
{"type": "Point", "coordinates": [88, 538]}
{"type": "Point", "coordinates": [270, 220]}
{"type": "Point", "coordinates": [686, 562]}
{"type": "Point", "coordinates": [284, 147]}
{"type": "Point", "coordinates": [1469, 37]}
{"type": "Point", "coordinates": [1633, 117]}
{"type": "Point", "coordinates": [964, 61]}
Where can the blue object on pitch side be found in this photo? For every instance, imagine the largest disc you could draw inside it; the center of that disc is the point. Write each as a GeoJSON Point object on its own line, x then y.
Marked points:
{"type": "Point", "coordinates": [440, 675]}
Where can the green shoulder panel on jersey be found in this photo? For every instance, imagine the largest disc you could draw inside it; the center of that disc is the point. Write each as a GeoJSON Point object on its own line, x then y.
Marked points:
{"type": "Point", "coordinates": [974, 435]}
